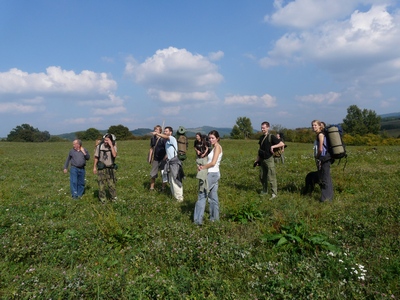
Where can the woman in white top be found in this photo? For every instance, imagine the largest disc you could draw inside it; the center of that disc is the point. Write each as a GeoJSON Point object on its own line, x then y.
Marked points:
{"type": "Point", "coordinates": [209, 189]}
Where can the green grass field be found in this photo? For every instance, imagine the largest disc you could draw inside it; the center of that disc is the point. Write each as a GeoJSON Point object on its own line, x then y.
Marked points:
{"type": "Point", "coordinates": [146, 247]}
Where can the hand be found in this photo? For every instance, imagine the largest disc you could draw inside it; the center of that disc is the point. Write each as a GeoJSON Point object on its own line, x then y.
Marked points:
{"type": "Point", "coordinates": [65, 171]}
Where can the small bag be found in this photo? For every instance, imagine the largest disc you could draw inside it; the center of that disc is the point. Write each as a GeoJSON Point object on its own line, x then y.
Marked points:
{"type": "Point", "coordinates": [100, 165]}
{"type": "Point", "coordinates": [277, 152]}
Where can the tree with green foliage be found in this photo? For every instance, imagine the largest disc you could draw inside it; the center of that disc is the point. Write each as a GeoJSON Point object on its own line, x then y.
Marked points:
{"type": "Point", "coordinates": [242, 129]}
{"type": "Point", "coordinates": [121, 132]}
{"type": "Point", "coordinates": [26, 133]}
{"type": "Point", "coordinates": [90, 134]}
{"type": "Point", "coordinates": [361, 122]}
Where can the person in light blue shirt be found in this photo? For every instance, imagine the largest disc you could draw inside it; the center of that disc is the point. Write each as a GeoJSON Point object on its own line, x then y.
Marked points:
{"type": "Point", "coordinates": [173, 166]}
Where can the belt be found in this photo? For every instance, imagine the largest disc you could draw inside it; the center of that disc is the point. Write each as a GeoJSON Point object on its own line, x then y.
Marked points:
{"type": "Point", "coordinates": [79, 167]}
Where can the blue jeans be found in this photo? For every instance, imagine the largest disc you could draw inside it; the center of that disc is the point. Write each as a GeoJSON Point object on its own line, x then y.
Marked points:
{"type": "Point", "coordinates": [212, 195]}
{"type": "Point", "coordinates": [77, 181]}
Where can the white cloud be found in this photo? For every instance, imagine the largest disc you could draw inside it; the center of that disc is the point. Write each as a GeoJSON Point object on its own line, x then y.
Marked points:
{"type": "Point", "coordinates": [55, 80]}
{"type": "Point", "coordinates": [176, 75]}
{"type": "Point", "coordinates": [214, 56]}
{"type": "Point", "coordinates": [348, 48]}
{"type": "Point", "coordinates": [170, 97]}
{"type": "Point", "coordinates": [12, 108]}
{"type": "Point", "coordinates": [263, 101]}
{"type": "Point", "coordinates": [308, 13]}
{"type": "Point", "coordinates": [114, 110]}
{"type": "Point", "coordinates": [328, 98]}
{"type": "Point", "coordinates": [33, 92]}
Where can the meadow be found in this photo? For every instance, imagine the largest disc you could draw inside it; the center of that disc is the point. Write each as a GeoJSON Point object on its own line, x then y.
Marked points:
{"type": "Point", "coordinates": [146, 246]}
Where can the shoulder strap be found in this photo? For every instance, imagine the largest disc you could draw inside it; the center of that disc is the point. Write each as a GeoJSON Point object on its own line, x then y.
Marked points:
{"type": "Point", "coordinates": [176, 152]}
{"type": "Point", "coordinates": [264, 140]}
{"type": "Point", "coordinates": [112, 157]}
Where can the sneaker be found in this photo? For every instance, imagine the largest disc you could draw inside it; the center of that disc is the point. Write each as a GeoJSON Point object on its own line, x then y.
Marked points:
{"type": "Point", "coordinates": [152, 190]}
{"type": "Point", "coordinates": [272, 197]}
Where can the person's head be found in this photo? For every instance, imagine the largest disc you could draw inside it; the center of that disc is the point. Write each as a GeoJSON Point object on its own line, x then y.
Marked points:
{"type": "Point", "coordinates": [278, 135]}
{"type": "Point", "coordinates": [264, 127]}
{"type": "Point", "coordinates": [108, 139]}
{"type": "Point", "coordinates": [158, 129]}
{"type": "Point", "coordinates": [213, 136]}
{"type": "Point", "coordinates": [168, 130]}
{"type": "Point", "coordinates": [317, 126]}
{"type": "Point", "coordinates": [77, 144]}
{"type": "Point", "coordinates": [198, 136]}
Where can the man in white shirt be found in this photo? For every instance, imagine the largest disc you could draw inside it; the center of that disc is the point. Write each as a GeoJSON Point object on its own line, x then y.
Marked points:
{"type": "Point", "coordinates": [174, 165]}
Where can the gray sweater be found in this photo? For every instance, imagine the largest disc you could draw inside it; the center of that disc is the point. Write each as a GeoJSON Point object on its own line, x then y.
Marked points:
{"type": "Point", "coordinates": [76, 158]}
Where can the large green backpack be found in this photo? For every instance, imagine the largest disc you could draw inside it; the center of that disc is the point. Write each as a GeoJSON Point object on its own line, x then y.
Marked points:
{"type": "Point", "coordinates": [183, 143]}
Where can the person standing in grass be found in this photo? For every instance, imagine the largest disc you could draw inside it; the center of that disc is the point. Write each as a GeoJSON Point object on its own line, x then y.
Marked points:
{"type": "Point", "coordinates": [173, 165]}
{"type": "Point", "coordinates": [200, 146]}
{"type": "Point", "coordinates": [265, 160]}
{"type": "Point", "coordinates": [323, 161]}
{"type": "Point", "coordinates": [104, 167]}
{"type": "Point", "coordinates": [209, 175]}
{"type": "Point", "coordinates": [157, 157]}
{"type": "Point", "coordinates": [77, 157]}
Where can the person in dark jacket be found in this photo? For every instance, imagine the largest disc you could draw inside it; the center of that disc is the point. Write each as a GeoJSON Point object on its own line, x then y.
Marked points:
{"type": "Point", "coordinates": [323, 161]}
{"type": "Point", "coordinates": [265, 160]}
{"type": "Point", "coordinates": [157, 158]}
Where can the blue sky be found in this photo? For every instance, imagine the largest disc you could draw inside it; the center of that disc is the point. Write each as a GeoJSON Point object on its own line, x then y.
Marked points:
{"type": "Point", "coordinates": [71, 65]}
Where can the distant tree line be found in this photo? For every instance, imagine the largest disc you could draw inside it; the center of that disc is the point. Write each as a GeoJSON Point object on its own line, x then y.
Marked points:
{"type": "Point", "coordinates": [27, 133]}
{"type": "Point", "coordinates": [359, 127]}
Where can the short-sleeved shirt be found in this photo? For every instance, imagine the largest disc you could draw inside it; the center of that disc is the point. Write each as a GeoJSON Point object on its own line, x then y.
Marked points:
{"type": "Point", "coordinates": [171, 147]}
{"type": "Point", "coordinates": [266, 145]}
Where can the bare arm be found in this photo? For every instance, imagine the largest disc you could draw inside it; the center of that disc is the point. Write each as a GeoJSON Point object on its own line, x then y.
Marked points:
{"type": "Point", "coordinates": [320, 144]}
{"type": "Point", "coordinates": [212, 163]}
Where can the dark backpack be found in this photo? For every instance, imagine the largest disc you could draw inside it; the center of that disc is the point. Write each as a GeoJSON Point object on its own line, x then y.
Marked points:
{"type": "Point", "coordinates": [335, 146]}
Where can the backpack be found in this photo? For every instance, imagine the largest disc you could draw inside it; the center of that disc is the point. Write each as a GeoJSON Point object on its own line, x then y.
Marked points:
{"type": "Point", "coordinates": [335, 146]}
{"type": "Point", "coordinates": [183, 143]}
{"type": "Point", "coordinates": [113, 140]}
{"type": "Point", "coordinates": [277, 151]}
